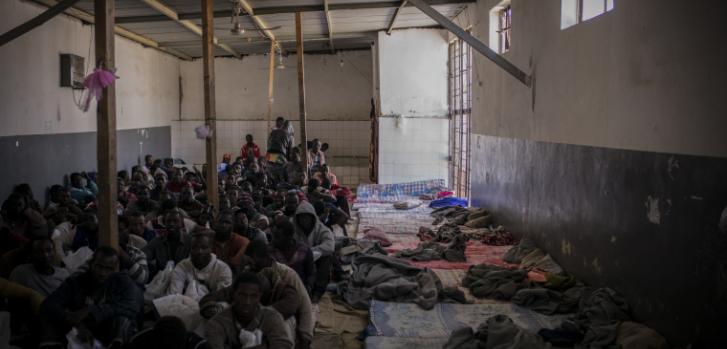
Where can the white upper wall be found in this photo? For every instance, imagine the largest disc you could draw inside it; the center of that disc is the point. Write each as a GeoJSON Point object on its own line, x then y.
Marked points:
{"type": "Point", "coordinates": [645, 76]}
{"type": "Point", "coordinates": [413, 72]}
{"type": "Point", "coordinates": [411, 79]}
{"type": "Point", "coordinates": [32, 101]}
{"type": "Point", "coordinates": [333, 91]}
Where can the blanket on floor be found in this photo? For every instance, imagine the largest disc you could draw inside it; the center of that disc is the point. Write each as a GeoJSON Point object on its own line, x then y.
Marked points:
{"type": "Point", "coordinates": [408, 320]}
{"type": "Point", "coordinates": [387, 278]}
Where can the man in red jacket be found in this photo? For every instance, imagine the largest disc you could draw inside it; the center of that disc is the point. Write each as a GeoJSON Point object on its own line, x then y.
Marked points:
{"type": "Point", "coordinates": [249, 149]}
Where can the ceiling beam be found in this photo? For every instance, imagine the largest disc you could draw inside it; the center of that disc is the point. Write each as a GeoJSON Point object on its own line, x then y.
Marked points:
{"type": "Point", "coordinates": [329, 23]}
{"type": "Point", "coordinates": [121, 31]}
{"type": "Point", "coordinates": [393, 18]}
{"type": "Point", "coordinates": [36, 21]}
{"type": "Point", "coordinates": [190, 25]}
{"type": "Point", "coordinates": [291, 9]}
{"type": "Point", "coordinates": [259, 22]}
{"type": "Point", "coordinates": [473, 42]}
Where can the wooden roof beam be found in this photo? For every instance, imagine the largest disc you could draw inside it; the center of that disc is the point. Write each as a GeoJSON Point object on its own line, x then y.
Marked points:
{"type": "Point", "coordinates": [259, 22]}
{"type": "Point", "coordinates": [329, 23]}
{"type": "Point", "coordinates": [190, 25]}
{"type": "Point", "coordinates": [121, 31]}
{"type": "Point", "coordinates": [393, 18]}
{"type": "Point", "coordinates": [260, 11]}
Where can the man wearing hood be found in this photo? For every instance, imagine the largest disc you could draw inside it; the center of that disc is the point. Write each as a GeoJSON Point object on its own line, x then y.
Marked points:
{"type": "Point", "coordinates": [308, 228]}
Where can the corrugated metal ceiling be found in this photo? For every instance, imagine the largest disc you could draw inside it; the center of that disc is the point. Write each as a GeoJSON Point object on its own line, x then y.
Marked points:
{"type": "Point", "coordinates": [352, 28]}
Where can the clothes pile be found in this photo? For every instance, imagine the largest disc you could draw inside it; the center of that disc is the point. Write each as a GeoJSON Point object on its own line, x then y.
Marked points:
{"type": "Point", "coordinates": [498, 331]}
{"type": "Point", "coordinates": [531, 257]}
{"type": "Point", "coordinates": [431, 250]}
{"type": "Point", "coordinates": [389, 279]}
{"type": "Point", "coordinates": [489, 281]}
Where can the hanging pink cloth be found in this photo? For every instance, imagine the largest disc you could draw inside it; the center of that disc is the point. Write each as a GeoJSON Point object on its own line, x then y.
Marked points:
{"type": "Point", "coordinates": [95, 83]}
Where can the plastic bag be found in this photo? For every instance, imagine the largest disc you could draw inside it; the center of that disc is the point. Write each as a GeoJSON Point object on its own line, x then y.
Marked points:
{"type": "Point", "coordinates": [180, 306]}
{"type": "Point", "coordinates": [195, 290]}
{"type": "Point", "coordinates": [76, 259]}
{"type": "Point", "coordinates": [158, 286]}
{"type": "Point", "coordinates": [74, 343]}
{"type": "Point", "coordinates": [250, 339]}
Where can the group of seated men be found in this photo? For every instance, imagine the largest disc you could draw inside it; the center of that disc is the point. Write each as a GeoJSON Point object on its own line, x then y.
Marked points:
{"type": "Point", "coordinates": [256, 263]}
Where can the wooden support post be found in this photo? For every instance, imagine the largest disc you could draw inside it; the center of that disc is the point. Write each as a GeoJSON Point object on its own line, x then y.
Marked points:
{"type": "Point", "coordinates": [106, 128]}
{"type": "Point", "coordinates": [271, 77]}
{"type": "Point", "coordinates": [208, 64]}
{"type": "Point", "coordinates": [301, 91]}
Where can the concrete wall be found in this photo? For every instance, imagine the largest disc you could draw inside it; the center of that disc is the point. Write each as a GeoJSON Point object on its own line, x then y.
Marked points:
{"type": "Point", "coordinates": [412, 86]}
{"type": "Point", "coordinates": [644, 76]}
{"type": "Point", "coordinates": [33, 103]}
{"type": "Point", "coordinates": [333, 92]}
{"type": "Point", "coordinates": [338, 100]}
{"type": "Point", "coordinates": [614, 161]}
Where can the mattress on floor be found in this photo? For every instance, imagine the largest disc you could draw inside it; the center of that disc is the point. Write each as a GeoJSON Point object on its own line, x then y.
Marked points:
{"type": "Point", "coordinates": [400, 222]}
{"type": "Point", "coordinates": [398, 191]}
{"type": "Point", "coordinates": [408, 320]}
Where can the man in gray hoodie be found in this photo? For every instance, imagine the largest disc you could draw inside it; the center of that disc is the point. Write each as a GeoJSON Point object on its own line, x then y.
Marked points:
{"type": "Point", "coordinates": [308, 228]}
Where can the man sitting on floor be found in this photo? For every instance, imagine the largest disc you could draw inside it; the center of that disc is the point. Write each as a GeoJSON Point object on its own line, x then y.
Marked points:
{"type": "Point", "coordinates": [293, 253]}
{"type": "Point", "coordinates": [171, 247]}
{"type": "Point", "coordinates": [320, 240]}
{"type": "Point", "coordinates": [83, 189]}
{"type": "Point", "coordinates": [242, 227]}
{"type": "Point", "coordinates": [168, 333]}
{"type": "Point", "coordinates": [101, 303]}
{"type": "Point", "coordinates": [228, 246]}
{"type": "Point", "coordinates": [246, 323]}
{"type": "Point", "coordinates": [284, 292]}
{"type": "Point", "coordinates": [202, 272]}
{"type": "Point", "coordinates": [40, 274]}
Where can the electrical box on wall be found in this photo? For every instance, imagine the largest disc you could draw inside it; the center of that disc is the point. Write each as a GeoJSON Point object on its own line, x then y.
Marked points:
{"type": "Point", "coordinates": [72, 71]}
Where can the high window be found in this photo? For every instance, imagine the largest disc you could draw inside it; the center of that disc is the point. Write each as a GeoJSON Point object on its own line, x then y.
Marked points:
{"type": "Point", "coordinates": [573, 12]}
{"type": "Point", "coordinates": [501, 27]}
{"type": "Point", "coordinates": [460, 109]}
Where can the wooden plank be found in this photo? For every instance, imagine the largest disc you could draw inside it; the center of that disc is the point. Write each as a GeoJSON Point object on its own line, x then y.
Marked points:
{"type": "Point", "coordinates": [301, 92]}
{"type": "Point", "coordinates": [36, 21]}
{"type": "Point", "coordinates": [472, 41]}
{"type": "Point", "coordinates": [269, 10]}
{"type": "Point", "coordinates": [145, 41]}
{"type": "Point", "coordinates": [393, 18]}
{"type": "Point", "coordinates": [208, 66]}
{"type": "Point", "coordinates": [259, 23]}
{"type": "Point", "coordinates": [271, 81]}
{"type": "Point", "coordinates": [329, 23]}
{"type": "Point", "coordinates": [190, 25]}
{"type": "Point", "coordinates": [106, 128]}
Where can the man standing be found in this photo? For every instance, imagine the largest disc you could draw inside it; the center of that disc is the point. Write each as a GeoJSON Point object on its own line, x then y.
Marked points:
{"type": "Point", "coordinates": [249, 150]}
{"type": "Point", "coordinates": [247, 324]}
{"type": "Point", "coordinates": [101, 304]}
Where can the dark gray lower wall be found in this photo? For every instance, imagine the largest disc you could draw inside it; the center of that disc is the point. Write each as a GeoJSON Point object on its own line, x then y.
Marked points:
{"type": "Point", "coordinates": [645, 224]}
{"type": "Point", "coordinates": [43, 160]}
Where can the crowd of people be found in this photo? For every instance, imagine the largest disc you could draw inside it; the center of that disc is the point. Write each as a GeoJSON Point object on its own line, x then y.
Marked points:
{"type": "Point", "coordinates": [255, 263]}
